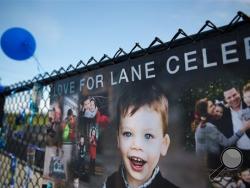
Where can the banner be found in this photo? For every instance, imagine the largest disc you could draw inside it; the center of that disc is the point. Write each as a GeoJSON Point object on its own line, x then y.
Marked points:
{"type": "Point", "coordinates": [121, 118]}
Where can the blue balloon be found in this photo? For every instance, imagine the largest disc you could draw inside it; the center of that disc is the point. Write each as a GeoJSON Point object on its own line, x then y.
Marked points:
{"type": "Point", "coordinates": [18, 43]}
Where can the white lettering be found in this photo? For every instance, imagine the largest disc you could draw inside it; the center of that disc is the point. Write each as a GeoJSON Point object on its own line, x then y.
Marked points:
{"type": "Point", "coordinates": [71, 87]}
{"type": "Point", "coordinates": [99, 80]}
{"type": "Point", "coordinates": [60, 90]}
{"type": "Point", "coordinates": [177, 67]}
{"type": "Point", "coordinates": [148, 70]}
{"type": "Point", "coordinates": [225, 53]}
{"type": "Point", "coordinates": [247, 47]}
{"type": "Point", "coordinates": [65, 87]}
{"type": "Point", "coordinates": [112, 79]}
{"type": "Point", "coordinates": [123, 76]}
{"type": "Point", "coordinates": [188, 61]}
{"type": "Point", "coordinates": [82, 83]}
{"type": "Point", "coordinates": [205, 62]}
{"type": "Point", "coordinates": [90, 83]}
{"type": "Point", "coordinates": [135, 72]}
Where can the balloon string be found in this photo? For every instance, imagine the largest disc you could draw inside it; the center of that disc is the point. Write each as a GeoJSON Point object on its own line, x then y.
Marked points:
{"type": "Point", "coordinates": [39, 66]}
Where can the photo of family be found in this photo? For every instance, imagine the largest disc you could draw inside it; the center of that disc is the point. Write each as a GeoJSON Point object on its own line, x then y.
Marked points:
{"type": "Point", "coordinates": [220, 121]}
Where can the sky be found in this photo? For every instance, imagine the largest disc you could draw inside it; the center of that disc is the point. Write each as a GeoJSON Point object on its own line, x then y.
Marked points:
{"type": "Point", "coordinates": [67, 31]}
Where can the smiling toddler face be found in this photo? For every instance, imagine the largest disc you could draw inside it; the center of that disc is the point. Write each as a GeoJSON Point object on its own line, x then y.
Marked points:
{"type": "Point", "coordinates": [141, 142]}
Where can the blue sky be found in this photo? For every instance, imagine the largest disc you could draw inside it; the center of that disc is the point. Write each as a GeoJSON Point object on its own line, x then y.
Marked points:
{"type": "Point", "coordinates": [67, 31]}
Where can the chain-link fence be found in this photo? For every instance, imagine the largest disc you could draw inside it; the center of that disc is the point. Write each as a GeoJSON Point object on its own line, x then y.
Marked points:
{"type": "Point", "coordinates": [25, 107]}
{"type": "Point", "coordinates": [23, 138]}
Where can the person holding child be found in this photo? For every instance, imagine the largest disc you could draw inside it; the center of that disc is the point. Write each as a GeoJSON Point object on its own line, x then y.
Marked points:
{"type": "Point", "coordinates": [208, 139]}
{"type": "Point", "coordinates": [232, 120]}
{"type": "Point", "coordinates": [142, 137]}
{"type": "Point", "coordinates": [102, 120]}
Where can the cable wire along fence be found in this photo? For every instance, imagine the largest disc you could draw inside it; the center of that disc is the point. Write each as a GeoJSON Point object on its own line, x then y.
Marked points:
{"type": "Point", "coordinates": [28, 114]}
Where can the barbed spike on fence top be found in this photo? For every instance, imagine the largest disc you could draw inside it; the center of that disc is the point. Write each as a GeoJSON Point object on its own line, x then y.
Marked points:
{"type": "Point", "coordinates": [212, 26]}
{"type": "Point", "coordinates": [244, 16]}
{"type": "Point", "coordinates": [70, 67]}
{"type": "Point", "coordinates": [156, 40]}
{"type": "Point", "coordinates": [80, 63]}
{"type": "Point", "coordinates": [240, 15]}
{"type": "Point", "coordinates": [90, 60]}
{"type": "Point", "coordinates": [46, 75]}
{"type": "Point", "coordinates": [119, 53]}
{"type": "Point", "coordinates": [137, 45]}
{"type": "Point", "coordinates": [104, 57]}
{"type": "Point", "coordinates": [175, 37]}
{"type": "Point", "coordinates": [236, 19]}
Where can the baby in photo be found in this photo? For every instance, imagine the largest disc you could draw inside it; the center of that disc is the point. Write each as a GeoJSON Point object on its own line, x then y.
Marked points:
{"type": "Point", "coordinates": [142, 137]}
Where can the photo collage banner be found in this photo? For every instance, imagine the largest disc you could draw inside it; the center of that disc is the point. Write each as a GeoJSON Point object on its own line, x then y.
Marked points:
{"type": "Point", "coordinates": [126, 122]}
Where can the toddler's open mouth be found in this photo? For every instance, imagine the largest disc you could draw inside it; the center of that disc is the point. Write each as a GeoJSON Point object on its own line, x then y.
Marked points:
{"type": "Point", "coordinates": [136, 163]}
